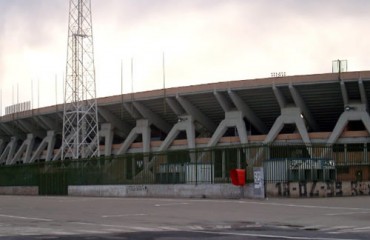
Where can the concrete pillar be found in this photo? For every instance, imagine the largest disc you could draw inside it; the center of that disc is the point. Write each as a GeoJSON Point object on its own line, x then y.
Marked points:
{"type": "Point", "coordinates": [26, 148]}
{"type": "Point", "coordinates": [352, 112]}
{"type": "Point", "coordinates": [289, 115]}
{"type": "Point", "coordinates": [185, 123]}
{"type": "Point", "coordinates": [142, 127]}
{"type": "Point", "coordinates": [48, 142]}
{"type": "Point", "coordinates": [7, 156]}
{"type": "Point", "coordinates": [106, 132]}
{"type": "Point", "coordinates": [232, 119]}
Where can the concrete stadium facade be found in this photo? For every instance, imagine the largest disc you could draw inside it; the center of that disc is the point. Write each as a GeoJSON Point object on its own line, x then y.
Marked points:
{"type": "Point", "coordinates": [310, 109]}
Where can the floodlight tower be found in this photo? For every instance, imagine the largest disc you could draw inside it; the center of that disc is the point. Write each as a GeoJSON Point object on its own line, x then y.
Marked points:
{"type": "Point", "coordinates": [80, 116]}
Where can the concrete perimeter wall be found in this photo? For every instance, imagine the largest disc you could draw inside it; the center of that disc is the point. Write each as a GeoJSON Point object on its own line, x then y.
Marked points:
{"type": "Point", "coordinates": [170, 191]}
{"type": "Point", "coordinates": [19, 190]}
{"type": "Point", "coordinates": [317, 189]}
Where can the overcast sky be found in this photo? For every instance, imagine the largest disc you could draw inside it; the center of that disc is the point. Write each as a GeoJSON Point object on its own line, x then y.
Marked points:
{"type": "Point", "coordinates": [203, 41]}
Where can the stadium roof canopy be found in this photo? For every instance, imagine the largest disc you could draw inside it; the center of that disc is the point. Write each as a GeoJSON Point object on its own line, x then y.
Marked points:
{"type": "Point", "coordinates": [323, 96]}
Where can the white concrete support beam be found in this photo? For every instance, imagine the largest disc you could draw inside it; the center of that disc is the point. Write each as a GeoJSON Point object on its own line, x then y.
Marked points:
{"type": "Point", "coordinates": [362, 92]}
{"type": "Point", "coordinates": [289, 115]}
{"type": "Point", "coordinates": [10, 130]}
{"type": "Point", "coordinates": [232, 119]}
{"type": "Point", "coordinates": [279, 97]}
{"type": "Point", "coordinates": [175, 106]}
{"type": "Point", "coordinates": [353, 112]}
{"type": "Point", "coordinates": [7, 156]}
{"type": "Point", "coordinates": [31, 128]}
{"type": "Point", "coordinates": [26, 147]}
{"type": "Point", "coordinates": [120, 125]}
{"type": "Point", "coordinates": [248, 113]}
{"type": "Point", "coordinates": [186, 123]}
{"type": "Point", "coordinates": [143, 128]}
{"type": "Point", "coordinates": [132, 110]}
{"type": "Point", "coordinates": [26, 126]}
{"type": "Point", "coordinates": [58, 154]}
{"type": "Point", "coordinates": [299, 102]}
{"type": "Point", "coordinates": [2, 143]}
{"type": "Point", "coordinates": [153, 117]}
{"type": "Point", "coordinates": [344, 93]}
{"type": "Point", "coordinates": [223, 101]}
{"type": "Point", "coordinates": [48, 142]}
{"type": "Point", "coordinates": [106, 132]}
{"type": "Point", "coordinates": [196, 114]}
{"type": "Point", "coordinates": [47, 122]}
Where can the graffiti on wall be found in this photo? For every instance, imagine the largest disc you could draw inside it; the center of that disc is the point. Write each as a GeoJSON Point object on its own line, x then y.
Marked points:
{"type": "Point", "coordinates": [317, 189]}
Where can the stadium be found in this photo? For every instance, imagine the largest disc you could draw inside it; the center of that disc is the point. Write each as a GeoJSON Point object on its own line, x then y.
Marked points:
{"type": "Point", "coordinates": [309, 132]}
{"type": "Point", "coordinates": [293, 136]}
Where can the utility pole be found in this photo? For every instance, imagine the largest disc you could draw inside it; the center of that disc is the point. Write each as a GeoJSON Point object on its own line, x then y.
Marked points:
{"type": "Point", "coordinates": [80, 116]}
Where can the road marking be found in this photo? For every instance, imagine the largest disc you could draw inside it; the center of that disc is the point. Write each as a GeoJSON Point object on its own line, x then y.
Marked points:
{"type": "Point", "coordinates": [124, 228]}
{"type": "Point", "coordinates": [196, 227]}
{"type": "Point", "coordinates": [336, 227]}
{"type": "Point", "coordinates": [26, 218]}
{"type": "Point", "coordinates": [146, 229]}
{"type": "Point", "coordinates": [270, 236]}
{"type": "Point", "coordinates": [305, 206]}
{"type": "Point", "coordinates": [353, 230]}
{"type": "Point", "coordinates": [170, 229]}
{"type": "Point", "coordinates": [278, 204]}
{"type": "Point", "coordinates": [169, 204]}
{"type": "Point", "coordinates": [124, 215]}
{"type": "Point", "coordinates": [93, 231]}
{"type": "Point", "coordinates": [346, 213]}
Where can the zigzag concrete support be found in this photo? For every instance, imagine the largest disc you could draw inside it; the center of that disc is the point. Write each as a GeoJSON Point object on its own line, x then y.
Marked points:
{"type": "Point", "coordinates": [223, 101]}
{"type": "Point", "coordinates": [106, 132]}
{"type": "Point", "coordinates": [289, 115]}
{"type": "Point", "coordinates": [279, 96]}
{"type": "Point", "coordinates": [11, 131]}
{"type": "Point", "coordinates": [232, 119]}
{"type": "Point", "coordinates": [196, 113]}
{"type": "Point", "coordinates": [248, 112]}
{"type": "Point", "coordinates": [175, 106]}
{"type": "Point", "coordinates": [299, 102]}
{"type": "Point", "coordinates": [58, 154]}
{"type": "Point", "coordinates": [353, 112]}
{"type": "Point", "coordinates": [153, 117]}
{"type": "Point", "coordinates": [49, 123]}
{"type": "Point", "coordinates": [120, 126]}
{"type": "Point", "coordinates": [186, 124]}
{"type": "Point", "coordinates": [26, 148]}
{"type": "Point", "coordinates": [344, 93]}
{"type": "Point", "coordinates": [2, 143]}
{"type": "Point", "coordinates": [143, 128]}
{"type": "Point", "coordinates": [48, 142]}
{"type": "Point", "coordinates": [132, 110]}
{"type": "Point", "coordinates": [362, 92]}
{"type": "Point", "coordinates": [7, 156]}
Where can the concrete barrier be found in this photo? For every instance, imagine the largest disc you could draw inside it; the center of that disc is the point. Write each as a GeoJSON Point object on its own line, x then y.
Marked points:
{"type": "Point", "coordinates": [170, 191]}
{"type": "Point", "coordinates": [317, 189]}
{"type": "Point", "coordinates": [19, 190]}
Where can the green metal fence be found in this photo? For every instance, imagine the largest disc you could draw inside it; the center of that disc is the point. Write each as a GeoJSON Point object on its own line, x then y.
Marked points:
{"type": "Point", "coordinates": [345, 162]}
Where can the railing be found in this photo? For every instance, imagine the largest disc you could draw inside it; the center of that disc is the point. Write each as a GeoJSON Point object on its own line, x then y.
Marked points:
{"type": "Point", "coordinates": [197, 166]}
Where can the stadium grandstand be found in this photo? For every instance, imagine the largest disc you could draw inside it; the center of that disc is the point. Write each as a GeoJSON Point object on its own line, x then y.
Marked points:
{"type": "Point", "coordinates": [306, 128]}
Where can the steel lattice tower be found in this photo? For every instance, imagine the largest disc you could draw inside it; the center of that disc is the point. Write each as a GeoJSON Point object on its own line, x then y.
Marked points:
{"type": "Point", "coordinates": [80, 116]}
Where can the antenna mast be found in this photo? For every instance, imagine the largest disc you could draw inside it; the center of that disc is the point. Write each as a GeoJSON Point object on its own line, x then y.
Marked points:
{"type": "Point", "coordinates": [80, 116]}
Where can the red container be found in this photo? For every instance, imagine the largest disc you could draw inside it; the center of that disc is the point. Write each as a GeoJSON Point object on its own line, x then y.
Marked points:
{"type": "Point", "coordinates": [237, 177]}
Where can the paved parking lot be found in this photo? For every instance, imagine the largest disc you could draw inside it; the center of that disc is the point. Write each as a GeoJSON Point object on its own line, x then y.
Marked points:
{"type": "Point", "coordinates": [23, 217]}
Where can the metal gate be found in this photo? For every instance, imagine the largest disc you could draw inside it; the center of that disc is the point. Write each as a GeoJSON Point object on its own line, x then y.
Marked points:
{"type": "Point", "coordinates": [53, 183]}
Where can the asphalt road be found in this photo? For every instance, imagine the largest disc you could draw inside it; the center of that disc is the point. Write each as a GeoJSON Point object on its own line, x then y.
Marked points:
{"type": "Point", "coordinates": [24, 217]}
